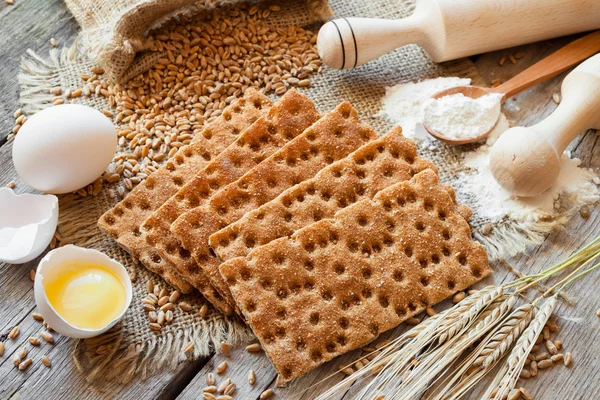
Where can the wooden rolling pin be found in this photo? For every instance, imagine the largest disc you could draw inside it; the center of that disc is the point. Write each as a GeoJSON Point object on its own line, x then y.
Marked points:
{"type": "Point", "coordinates": [450, 29]}
{"type": "Point", "coordinates": [526, 161]}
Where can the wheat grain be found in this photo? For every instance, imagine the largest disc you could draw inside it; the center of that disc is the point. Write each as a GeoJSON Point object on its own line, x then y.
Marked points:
{"type": "Point", "coordinates": [458, 297]}
{"type": "Point", "coordinates": [544, 364]}
{"type": "Point", "coordinates": [210, 379]}
{"type": "Point", "coordinates": [551, 347]}
{"type": "Point", "coordinates": [221, 368]}
{"type": "Point", "coordinates": [25, 364]}
{"type": "Point", "coordinates": [34, 341]}
{"type": "Point", "coordinates": [253, 348]}
{"type": "Point", "coordinates": [13, 333]}
{"type": "Point", "coordinates": [226, 348]}
{"type": "Point", "coordinates": [251, 377]}
{"type": "Point", "coordinates": [221, 388]}
{"type": "Point", "coordinates": [568, 360]}
{"type": "Point", "coordinates": [46, 362]}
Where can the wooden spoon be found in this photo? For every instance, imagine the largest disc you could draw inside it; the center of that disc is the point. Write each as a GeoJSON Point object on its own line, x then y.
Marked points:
{"type": "Point", "coordinates": [554, 64]}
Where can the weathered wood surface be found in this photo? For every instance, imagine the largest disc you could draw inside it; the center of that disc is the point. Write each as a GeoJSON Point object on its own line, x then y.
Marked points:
{"type": "Point", "coordinates": [30, 24]}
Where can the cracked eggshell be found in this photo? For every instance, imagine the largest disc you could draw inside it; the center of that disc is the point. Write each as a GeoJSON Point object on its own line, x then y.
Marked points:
{"type": "Point", "coordinates": [27, 224]}
{"type": "Point", "coordinates": [70, 253]}
{"type": "Point", "coordinates": [64, 148]}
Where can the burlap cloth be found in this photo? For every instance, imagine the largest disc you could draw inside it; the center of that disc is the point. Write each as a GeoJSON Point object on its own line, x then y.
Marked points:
{"type": "Point", "coordinates": [131, 348]}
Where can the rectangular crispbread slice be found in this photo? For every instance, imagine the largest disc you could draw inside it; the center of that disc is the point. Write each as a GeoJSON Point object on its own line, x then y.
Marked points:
{"type": "Point", "coordinates": [286, 119]}
{"type": "Point", "coordinates": [337, 284]}
{"type": "Point", "coordinates": [376, 165]}
{"type": "Point", "coordinates": [123, 221]}
{"type": "Point", "coordinates": [331, 138]}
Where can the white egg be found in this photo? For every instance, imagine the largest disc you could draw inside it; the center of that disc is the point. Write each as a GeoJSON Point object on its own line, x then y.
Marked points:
{"type": "Point", "coordinates": [27, 225]}
{"type": "Point", "coordinates": [64, 254]}
{"type": "Point", "coordinates": [64, 148]}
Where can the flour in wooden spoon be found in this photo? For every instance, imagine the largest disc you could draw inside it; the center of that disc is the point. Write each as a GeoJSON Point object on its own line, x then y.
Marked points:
{"type": "Point", "coordinates": [459, 117]}
{"type": "Point", "coordinates": [475, 185]}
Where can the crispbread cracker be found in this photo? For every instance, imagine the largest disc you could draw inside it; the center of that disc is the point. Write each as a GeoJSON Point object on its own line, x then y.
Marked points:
{"type": "Point", "coordinates": [332, 138]}
{"type": "Point", "coordinates": [375, 166]}
{"type": "Point", "coordinates": [338, 283]}
{"type": "Point", "coordinates": [123, 221]}
{"type": "Point", "coordinates": [286, 119]}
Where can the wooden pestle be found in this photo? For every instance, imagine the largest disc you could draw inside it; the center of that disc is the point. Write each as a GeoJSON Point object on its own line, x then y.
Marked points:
{"type": "Point", "coordinates": [526, 160]}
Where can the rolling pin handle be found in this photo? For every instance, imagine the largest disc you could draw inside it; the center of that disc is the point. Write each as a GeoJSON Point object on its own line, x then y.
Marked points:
{"type": "Point", "coordinates": [346, 43]}
{"type": "Point", "coordinates": [579, 109]}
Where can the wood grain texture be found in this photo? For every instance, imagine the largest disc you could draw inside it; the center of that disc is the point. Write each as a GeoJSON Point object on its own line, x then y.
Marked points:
{"type": "Point", "coordinates": [31, 23]}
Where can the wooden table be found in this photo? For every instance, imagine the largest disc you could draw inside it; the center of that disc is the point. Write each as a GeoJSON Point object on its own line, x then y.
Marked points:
{"type": "Point", "coordinates": [31, 24]}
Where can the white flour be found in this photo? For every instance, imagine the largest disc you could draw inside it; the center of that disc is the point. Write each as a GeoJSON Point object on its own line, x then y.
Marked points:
{"type": "Point", "coordinates": [460, 117]}
{"type": "Point", "coordinates": [404, 105]}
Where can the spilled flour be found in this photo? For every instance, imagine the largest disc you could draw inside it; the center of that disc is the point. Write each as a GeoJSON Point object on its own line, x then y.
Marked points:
{"type": "Point", "coordinates": [474, 183]}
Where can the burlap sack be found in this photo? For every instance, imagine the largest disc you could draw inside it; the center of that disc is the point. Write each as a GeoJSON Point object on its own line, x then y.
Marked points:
{"type": "Point", "coordinates": [116, 31]}
{"type": "Point", "coordinates": [131, 348]}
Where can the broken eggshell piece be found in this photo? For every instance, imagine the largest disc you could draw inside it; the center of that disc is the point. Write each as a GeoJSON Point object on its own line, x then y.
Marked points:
{"type": "Point", "coordinates": [71, 253]}
{"type": "Point", "coordinates": [27, 224]}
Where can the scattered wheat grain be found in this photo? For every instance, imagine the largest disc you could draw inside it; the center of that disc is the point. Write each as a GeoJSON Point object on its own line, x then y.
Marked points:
{"type": "Point", "coordinates": [221, 368]}
{"type": "Point", "coordinates": [14, 333]}
{"type": "Point", "coordinates": [253, 348]}
{"type": "Point", "coordinates": [568, 360]}
{"type": "Point", "coordinates": [34, 341]}
{"type": "Point", "coordinates": [226, 348]}
{"type": "Point", "coordinates": [551, 347]}
{"type": "Point", "coordinates": [25, 364]}
{"type": "Point", "coordinates": [251, 377]}
{"type": "Point", "coordinates": [221, 388]}
{"type": "Point", "coordinates": [47, 336]}
{"type": "Point", "coordinates": [458, 297]}
{"type": "Point", "coordinates": [544, 364]}
{"type": "Point", "coordinates": [210, 379]}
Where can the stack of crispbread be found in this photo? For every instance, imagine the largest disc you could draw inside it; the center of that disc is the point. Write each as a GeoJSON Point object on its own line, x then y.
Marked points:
{"type": "Point", "coordinates": [318, 233]}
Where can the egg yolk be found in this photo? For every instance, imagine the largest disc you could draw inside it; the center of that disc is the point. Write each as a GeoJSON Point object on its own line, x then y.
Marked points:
{"type": "Point", "coordinates": [86, 295]}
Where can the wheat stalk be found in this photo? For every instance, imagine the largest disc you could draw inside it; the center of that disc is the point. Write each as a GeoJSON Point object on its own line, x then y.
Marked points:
{"type": "Point", "coordinates": [506, 379]}
{"type": "Point", "coordinates": [403, 369]}
{"type": "Point", "coordinates": [393, 350]}
{"type": "Point", "coordinates": [434, 362]}
{"type": "Point", "coordinates": [489, 352]}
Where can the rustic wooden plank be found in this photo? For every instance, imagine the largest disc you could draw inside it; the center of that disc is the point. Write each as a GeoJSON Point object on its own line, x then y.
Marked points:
{"type": "Point", "coordinates": [27, 24]}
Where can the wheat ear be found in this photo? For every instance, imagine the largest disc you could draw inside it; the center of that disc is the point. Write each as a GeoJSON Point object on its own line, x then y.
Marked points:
{"type": "Point", "coordinates": [489, 352]}
{"type": "Point", "coordinates": [432, 363]}
{"type": "Point", "coordinates": [506, 379]}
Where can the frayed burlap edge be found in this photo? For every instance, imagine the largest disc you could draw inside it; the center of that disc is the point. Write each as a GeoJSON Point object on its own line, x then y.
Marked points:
{"type": "Point", "coordinates": [510, 238]}
{"type": "Point", "coordinates": [110, 356]}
